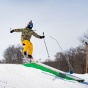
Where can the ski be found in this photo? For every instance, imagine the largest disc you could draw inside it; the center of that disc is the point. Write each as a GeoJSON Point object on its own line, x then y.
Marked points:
{"type": "Point", "coordinates": [26, 59]}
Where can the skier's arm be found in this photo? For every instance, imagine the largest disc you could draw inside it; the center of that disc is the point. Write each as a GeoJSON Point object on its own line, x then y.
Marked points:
{"type": "Point", "coordinates": [16, 30]}
{"type": "Point", "coordinates": [38, 36]}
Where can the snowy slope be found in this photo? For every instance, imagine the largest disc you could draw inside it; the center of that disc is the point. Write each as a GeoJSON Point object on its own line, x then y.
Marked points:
{"type": "Point", "coordinates": [19, 76]}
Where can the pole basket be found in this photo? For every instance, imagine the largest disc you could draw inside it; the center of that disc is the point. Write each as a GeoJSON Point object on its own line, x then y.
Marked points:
{"type": "Point", "coordinates": [71, 72]}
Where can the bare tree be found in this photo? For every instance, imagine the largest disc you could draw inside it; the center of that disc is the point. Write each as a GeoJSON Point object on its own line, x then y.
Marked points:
{"type": "Point", "coordinates": [84, 38]}
{"type": "Point", "coordinates": [76, 56]}
{"type": "Point", "coordinates": [13, 55]}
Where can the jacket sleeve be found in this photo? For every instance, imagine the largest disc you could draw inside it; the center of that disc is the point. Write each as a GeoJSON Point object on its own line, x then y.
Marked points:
{"type": "Point", "coordinates": [18, 30]}
{"type": "Point", "coordinates": [36, 35]}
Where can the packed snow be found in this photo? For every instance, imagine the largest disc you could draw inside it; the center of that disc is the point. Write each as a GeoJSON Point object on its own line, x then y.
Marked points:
{"type": "Point", "coordinates": [19, 76]}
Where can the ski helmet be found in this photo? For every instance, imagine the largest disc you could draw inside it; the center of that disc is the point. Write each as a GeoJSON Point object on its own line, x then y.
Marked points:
{"type": "Point", "coordinates": [30, 25]}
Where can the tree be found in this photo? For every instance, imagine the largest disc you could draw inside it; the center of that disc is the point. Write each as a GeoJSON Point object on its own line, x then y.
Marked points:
{"type": "Point", "coordinates": [84, 38]}
{"type": "Point", "coordinates": [77, 58]}
{"type": "Point", "coordinates": [13, 54]}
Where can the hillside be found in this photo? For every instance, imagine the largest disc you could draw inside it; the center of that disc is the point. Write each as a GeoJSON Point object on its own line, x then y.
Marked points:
{"type": "Point", "coordinates": [19, 76]}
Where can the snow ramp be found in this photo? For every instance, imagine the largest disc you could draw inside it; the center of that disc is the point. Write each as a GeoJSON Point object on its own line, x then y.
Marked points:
{"type": "Point", "coordinates": [54, 71]}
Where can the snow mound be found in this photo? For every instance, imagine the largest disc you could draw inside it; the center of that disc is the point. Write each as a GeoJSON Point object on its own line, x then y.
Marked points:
{"type": "Point", "coordinates": [19, 76]}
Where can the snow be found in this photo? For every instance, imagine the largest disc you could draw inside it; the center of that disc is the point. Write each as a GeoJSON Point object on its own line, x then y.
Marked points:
{"type": "Point", "coordinates": [19, 76]}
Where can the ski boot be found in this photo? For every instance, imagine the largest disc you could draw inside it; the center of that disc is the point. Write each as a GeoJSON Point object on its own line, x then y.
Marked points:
{"type": "Point", "coordinates": [24, 55]}
{"type": "Point", "coordinates": [30, 58]}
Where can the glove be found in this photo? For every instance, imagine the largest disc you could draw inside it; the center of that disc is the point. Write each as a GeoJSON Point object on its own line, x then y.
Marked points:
{"type": "Point", "coordinates": [11, 31]}
{"type": "Point", "coordinates": [42, 37]}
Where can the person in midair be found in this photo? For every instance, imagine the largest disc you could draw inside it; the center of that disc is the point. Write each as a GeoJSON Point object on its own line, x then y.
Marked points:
{"type": "Point", "coordinates": [27, 32]}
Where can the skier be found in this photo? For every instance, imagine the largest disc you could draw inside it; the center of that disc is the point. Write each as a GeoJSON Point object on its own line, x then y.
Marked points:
{"type": "Point", "coordinates": [27, 32]}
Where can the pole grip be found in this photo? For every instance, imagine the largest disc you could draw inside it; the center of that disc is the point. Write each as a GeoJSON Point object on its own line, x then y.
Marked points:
{"type": "Point", "coordinates": [43, 33]}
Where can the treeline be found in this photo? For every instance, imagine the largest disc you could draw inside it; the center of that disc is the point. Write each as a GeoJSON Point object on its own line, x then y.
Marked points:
{"type": "Point", "coordinates": [76, 57]}
{"type": "Point", "coordinates": [13, 55]}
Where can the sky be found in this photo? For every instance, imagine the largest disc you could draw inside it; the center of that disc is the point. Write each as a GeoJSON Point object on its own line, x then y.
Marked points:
{"type": "Point", "coordinates": [19, 76]}
{"type": "Point", "coordinates": [64, 20]}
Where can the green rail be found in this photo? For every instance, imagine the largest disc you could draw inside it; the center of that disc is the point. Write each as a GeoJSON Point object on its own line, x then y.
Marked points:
{"type": "Point", "coordinates": [52, 71]}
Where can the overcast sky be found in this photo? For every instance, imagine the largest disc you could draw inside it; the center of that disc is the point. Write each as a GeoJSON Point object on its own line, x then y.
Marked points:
{"type": "Point", "coordinates": [64, 20]}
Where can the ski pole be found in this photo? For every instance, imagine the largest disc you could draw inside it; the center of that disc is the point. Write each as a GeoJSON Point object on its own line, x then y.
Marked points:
{"type": "Point", "coordinates": [10, 29]}
{"type": "Point", "coordinates": [57, 43]}
{"type": "Point", "coordinates": [67, 58]}
{"type": "Point", "coordinates": [46, 47]}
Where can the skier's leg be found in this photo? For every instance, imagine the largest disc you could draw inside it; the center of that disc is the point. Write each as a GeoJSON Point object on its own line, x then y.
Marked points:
{"type": "Point", "coordinates": [25, 43]}
{"type": "Point", "coordinates": [30, 49]}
